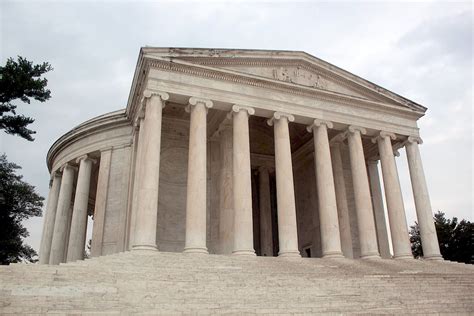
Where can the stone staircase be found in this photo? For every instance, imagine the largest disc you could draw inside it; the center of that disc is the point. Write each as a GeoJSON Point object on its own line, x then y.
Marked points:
{"type": "Point", "coordinates": [175, 283]}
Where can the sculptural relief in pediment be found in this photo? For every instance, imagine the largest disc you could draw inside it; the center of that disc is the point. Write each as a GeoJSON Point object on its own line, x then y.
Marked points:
{"type": "Point", "coordinates": [299, 76]}
{"type": "Point", "coordinates": [296, 75]}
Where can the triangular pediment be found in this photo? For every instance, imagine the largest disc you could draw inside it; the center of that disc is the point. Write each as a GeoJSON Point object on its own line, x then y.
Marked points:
{"type": "Point", "coordinates": [285, 67]}
{"type": "Point", "coordinates": [298, 75]}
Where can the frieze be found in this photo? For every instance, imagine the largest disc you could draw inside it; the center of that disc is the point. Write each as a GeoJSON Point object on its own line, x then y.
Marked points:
{"type": "Point", "coordinates": [298, 75]}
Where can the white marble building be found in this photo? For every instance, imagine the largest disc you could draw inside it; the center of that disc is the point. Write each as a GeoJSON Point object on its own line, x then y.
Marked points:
{"type": "Point", "coordinates": [243, 152]}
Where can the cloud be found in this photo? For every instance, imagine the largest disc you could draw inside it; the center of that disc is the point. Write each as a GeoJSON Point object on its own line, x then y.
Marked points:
{"type": "Point", "coordinates": [448, 37]}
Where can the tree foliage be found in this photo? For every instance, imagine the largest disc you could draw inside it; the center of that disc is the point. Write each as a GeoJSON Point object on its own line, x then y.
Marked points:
{"type": "Point", "coordinates": [21, 80]}
{"type": "Point", "coordinates": [456, 239]}
{"type": "Point", "coordinates": [18, 201]}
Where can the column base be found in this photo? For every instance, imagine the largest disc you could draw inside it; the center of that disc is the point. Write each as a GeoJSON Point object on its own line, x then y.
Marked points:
{"type": "Point", "coordinates": [331, 255]}
{"type": "Point", "coordinates": [250, 253]}
{"type": "Point", "coordinates": [289, 254]}
{"type": "Point", "coordinates": [433, 258]}
{"type": "Point", "coordinates": [196, 250]}
{"type": "Point", "coordinates": [403, 257]}
{"type": "Point", "coordinates": [371, 256]}
{"type": "Point", "coordinates": [145, 247]}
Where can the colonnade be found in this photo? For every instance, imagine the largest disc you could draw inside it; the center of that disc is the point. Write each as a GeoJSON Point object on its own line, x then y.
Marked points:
{"type": "Point", "coordinates": [333, 209]}
{"type": "Point", "coordinates": [65, 224]}
{"type": "Point", "coordinates": [330, 183]}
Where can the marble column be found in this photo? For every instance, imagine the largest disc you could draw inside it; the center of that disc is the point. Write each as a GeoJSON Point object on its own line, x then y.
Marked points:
{"type": "Point", "coordinates": [329, 224]}
{"type": "Point", "coordinates": [101, 201]}
{"type": "Point", "coordinates": [363, 202]}
{"type": "Point", "coordinates": [429, 239]}
{"type": "Point", "coordinates": [61, 223]}
{"type": "Point", "coordinates": [287, 227]}
{"type": "Point", "coordinates": [226, 205]}
{"type": "Point", "coordinates": [379, 213]}
{"type": "Point", "coordinates": [266, 238]}
{"type": "Point", "coordinates": [149, 169]}
{"type": "Point", "coordinates": [341, 199]}
{"type": "Point", "coordinates": [77, 236]}
{"type": "Point", "coordinates": [136, 173]}
{"type": "Point", "coordinates": [196, 207]}
{"type": "Point", "coordinates": [393, 196]}
{"type": "Point", "coordinates": [48, 225]}
{"type": "Point", "coordinates": [242, 182]}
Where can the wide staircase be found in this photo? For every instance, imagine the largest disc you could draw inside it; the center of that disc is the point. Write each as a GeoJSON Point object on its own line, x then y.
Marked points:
{"type": "Point", "coordinates": [175, 283]}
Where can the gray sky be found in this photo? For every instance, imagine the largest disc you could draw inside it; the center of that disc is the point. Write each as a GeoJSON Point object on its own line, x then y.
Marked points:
{"type": "Point", "coordinates": [422, 51]}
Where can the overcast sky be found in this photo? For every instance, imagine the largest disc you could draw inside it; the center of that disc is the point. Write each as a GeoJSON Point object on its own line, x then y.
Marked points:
{"type": "Point", "coordinates": [422, 51]}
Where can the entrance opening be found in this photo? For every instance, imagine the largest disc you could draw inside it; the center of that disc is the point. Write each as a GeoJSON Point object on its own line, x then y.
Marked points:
{"type": "Point", "coordinates": [272, 247]}
{"type": "Point", "coordinates": [307, 252]}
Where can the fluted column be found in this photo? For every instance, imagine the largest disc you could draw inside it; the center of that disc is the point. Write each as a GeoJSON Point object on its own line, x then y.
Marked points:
{"type": "Point", "coordinates": [149, 169]}
{"type": "Point", "coordinates": [197, 166]}
{"type": "Point", "coordinates": [48, 225]}
{"type": "Point", "coordinates": [363, 203]}
{"type": "Point", "coordinates": [61, 223]}
{"type": "Point", "coordinates": [242, 182]}
{"type": "Point", "coordinates": [266, 238]}
{"type": "Point", "coordinates": [226, 205]}
{"type": "Point", "coordinates": [379, 214]}
{"type": "Point", "coordinates": [341, 199]}
{"type": "Point", "coordinates": [429, 239]}
{"type": "Point", "coordinates": [393, 196]}
{"type": "Point", "coordinates": [287, 227]}
{"type": "Point", "coordinates": [329, 224]}
{"type": "Point", "coordinates": [77, 236]}
{"type": "Point", "coordinates": [136, 174]}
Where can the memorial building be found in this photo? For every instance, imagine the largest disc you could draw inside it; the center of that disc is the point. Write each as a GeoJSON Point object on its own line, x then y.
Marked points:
{"type": "Point", "coordinates": [240, 152]}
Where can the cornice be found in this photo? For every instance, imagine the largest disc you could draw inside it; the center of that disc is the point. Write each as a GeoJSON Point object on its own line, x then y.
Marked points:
{"type": "Point", "coordinates": [100, 123]}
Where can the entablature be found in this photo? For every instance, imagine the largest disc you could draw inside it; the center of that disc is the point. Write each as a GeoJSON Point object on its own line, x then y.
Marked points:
{"type": "Point", "coordinates": [186, 72]}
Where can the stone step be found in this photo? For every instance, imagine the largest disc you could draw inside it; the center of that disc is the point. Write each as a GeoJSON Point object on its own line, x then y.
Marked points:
{"type": "Point", "coordinates": [171, 283]}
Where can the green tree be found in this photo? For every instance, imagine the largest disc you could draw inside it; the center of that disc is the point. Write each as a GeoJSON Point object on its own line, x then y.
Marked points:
{"type": "Point", "coordinates": [456, 239]}
{"type": "Point", "coordinates": [21, 80]}
{"type": "Point", "coordinates": [18, 201]}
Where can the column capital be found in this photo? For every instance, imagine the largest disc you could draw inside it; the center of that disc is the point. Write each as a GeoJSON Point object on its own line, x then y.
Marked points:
{"type": "Point", "coordinates": [85, 157]}
{"type": "Point", "coordinates": [352, 129]}
{"type": "Point", "coordinates": [56, 173]}
{"type": "Point", "coordinates": [153, 93]}
{"type": "Point", "coordinates": [383, 134]}
{"type": "Point", "coordinates": [414, 139]}
{"type": "Point", "coordinates": [338, 140]}
{"type": "Point", "coordinates": [279, 115]}
{"type": "Point", "coordinates": [237, 108]}
{"type": "Point", "coordinates": [193, 101]}
{"type": "Point", "coordinates": [318, 123]}
{"type": "Point", "coordinates": [147, 94]}
{"type": "Point", "coordinates": [66, 166]}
